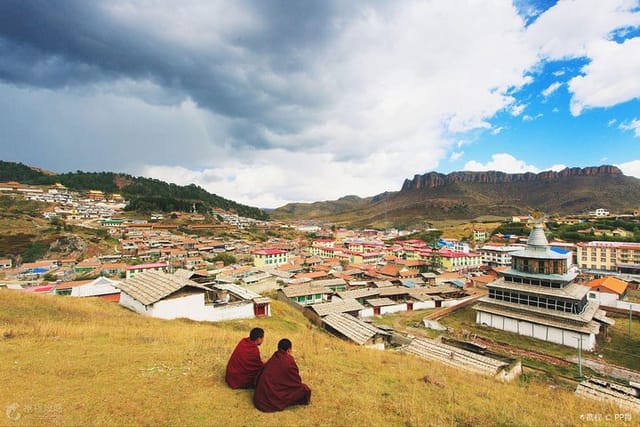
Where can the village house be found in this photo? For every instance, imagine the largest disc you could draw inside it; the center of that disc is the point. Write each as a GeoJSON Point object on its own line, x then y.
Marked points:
{"type": "Point", "coordinates": [457, 261]}
{"type": "Point", "coordinates": [607, 290]}
{"type": "Point", "coordinates": [479, 234]}
{"type": "Point", "coordinates": [316, 312]}
{"type": "Point", "coordinates": [116, 269]}
{"type": "Point", "coordinates": [101, 287]}
{"type": "Point", "coordinates": [270, 257]}
{"type": "Point", "coordinates": [362, 333]}
{"type": "Point", "coordinates": [497, 255]}
{"type": "Point", "coordinates": [133, 270]}
{"type": "Point", "coordinates": [305, 294]}
{"type": "Point", "coordinates": [65, 288]}
{"type": "Point", "coordinates": [167, 296]}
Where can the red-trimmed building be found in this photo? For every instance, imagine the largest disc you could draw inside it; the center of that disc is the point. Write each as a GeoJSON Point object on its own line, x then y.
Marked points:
{"type": "Point", "coordinates": [270, 257]}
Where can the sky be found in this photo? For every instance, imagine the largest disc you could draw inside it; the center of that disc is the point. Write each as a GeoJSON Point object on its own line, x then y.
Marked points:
{"type": "Point", "coordinates": [268, 102]}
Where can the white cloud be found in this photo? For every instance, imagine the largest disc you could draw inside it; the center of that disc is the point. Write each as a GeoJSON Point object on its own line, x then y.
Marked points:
{"type": "Point", "coordinates": [262, 181]}
{"type": "Point", "coordinates": [610, 78]}
{"type": "Point", "coordinates": [456, 155]}
{"type": "Point", "coordinates": [633, 125]}
{"type": "Point", "coordinates": [611, 122]}
{"type": "Point", "coordinates": [551, 89]}
{"type": "Point", "coordinates": [574, 29]}
{"type": "Point", "coordinates": [517, 109]}
{"type": "Point", "coordinates": [505, 162]}
{"type": "Point", "coordinates": [568, 29]}
{"type": "Point", "coordinates": [528, 118]}
{"type": "Point", "coordinates": [383, 94]}
{"type": "Point", "coordinates": [631, 168]}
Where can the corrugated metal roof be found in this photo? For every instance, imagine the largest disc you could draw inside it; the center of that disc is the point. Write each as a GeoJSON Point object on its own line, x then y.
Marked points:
{"type": "Point", "coordinates": [151, 286]}
{"type": "Point", "coordinates": [330, 282]}
{"type": "Point", "coordinates": [383, 283]}
{"type": "Point", "coordinates": [359, 293]}
{"type": "Point", "coordinates": [239, 291]}
{"type": "Point", "coordinates": [304, 289]}
{"type": "Point", "coordinates": [454, 356]}
{"type": "Point", "coordinates": [342, 306]}
{"type": "Point", "coordinates": [380, 302]}
{"type": "Point", "coordinates": [355, 329]}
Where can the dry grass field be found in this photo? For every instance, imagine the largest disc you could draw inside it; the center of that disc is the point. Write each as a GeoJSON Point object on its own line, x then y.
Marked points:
{"type": "Point", "coordinates": [67, 361]}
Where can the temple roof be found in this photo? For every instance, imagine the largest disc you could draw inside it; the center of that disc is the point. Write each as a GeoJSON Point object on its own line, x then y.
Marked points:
{"type": "Point", "coordinates": [537, 237]}
{"type": "Point", "coordinates": [565, 278]}
{"type": "Point", "coordinates": [538, 246]}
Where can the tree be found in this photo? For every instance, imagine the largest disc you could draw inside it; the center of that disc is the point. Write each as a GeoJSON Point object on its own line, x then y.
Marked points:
{"type": "Point", "coordinates": [48, 277]}
{"type": "Point", "coordinates": [226, 258]}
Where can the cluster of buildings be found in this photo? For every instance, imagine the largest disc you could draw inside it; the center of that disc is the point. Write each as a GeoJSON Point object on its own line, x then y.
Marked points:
{"type": "Point", "coordinates": [446, 255]}
{"type": "Point", "coordinates": [70, 205]}
{"type": "Point", "coordinates": [532, 286]}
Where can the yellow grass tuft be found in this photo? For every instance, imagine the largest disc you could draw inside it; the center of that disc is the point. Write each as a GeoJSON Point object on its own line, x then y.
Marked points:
{"type": "Point", "coordinates": [87, 362]}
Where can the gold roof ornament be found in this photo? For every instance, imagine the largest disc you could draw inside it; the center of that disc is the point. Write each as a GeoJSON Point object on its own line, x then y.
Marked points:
{"type": "Point", "coordinates": [537, 217]}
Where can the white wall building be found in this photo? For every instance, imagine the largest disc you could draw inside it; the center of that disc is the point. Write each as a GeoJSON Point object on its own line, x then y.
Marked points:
{"type": "Point", "coordinates": [497, 256]}
{"type": "Point", "coordinates": [98, 287]}
{"type": "Point", "coordinates": [167, 296]}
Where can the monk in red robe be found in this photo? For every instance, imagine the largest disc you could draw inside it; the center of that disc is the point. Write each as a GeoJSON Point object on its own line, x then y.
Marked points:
{"type": "Point", "coordinates": [279, 384]}
{"type": "Point", "coordinates": [245, 363]}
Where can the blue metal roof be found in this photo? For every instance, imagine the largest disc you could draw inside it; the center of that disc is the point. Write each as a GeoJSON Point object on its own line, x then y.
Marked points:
{"type": "Point", "coordinates": [458, 283]}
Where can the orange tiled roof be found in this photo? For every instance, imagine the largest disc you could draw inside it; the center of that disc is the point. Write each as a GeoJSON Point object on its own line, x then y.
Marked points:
{"type": "Point", "coordinates": [611, 283]}
{"type": "Point", "coordinates": [311, 275]}
{"type": "Point", "coordinates": [390, 270]}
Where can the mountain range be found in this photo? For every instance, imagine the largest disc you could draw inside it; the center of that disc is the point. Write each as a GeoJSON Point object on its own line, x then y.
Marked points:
{"type": "Point", "coordinates": [432, 196]}
{"type": "Point", "coordinates": [470, 195]}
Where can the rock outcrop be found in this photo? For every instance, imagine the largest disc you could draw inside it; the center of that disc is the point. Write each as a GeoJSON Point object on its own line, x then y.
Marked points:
{"type": "Point", "coordinates": [433, 179]}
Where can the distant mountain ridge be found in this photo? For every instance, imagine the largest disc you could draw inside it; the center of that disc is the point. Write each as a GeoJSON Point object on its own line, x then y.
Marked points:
{"type": "Point", "coordinates": [469, 195]}
{"type": "Point", "coordinates": [143, 194]}
{"type": "Point", "coordinates": [435, 179]}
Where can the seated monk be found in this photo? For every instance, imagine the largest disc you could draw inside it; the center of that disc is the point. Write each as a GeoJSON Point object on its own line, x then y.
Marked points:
{"type": "Point", "coordinates": [279, 384]}
{"type": "Point", "coordinates": [245, 363]}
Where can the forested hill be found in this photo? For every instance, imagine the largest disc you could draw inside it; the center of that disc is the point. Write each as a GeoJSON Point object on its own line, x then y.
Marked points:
{"type": "Point", "coordinates": [143, 194]}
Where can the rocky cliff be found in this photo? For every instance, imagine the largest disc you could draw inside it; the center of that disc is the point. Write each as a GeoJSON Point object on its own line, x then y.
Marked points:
{"type": "Point", "coordinates": [433, 180]}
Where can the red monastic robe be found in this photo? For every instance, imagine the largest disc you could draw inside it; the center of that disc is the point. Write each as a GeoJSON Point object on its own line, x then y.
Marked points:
{"type": "Point", "coordinates": [279, 384]}
{"type": "Point", "coordinates": [244, 365]}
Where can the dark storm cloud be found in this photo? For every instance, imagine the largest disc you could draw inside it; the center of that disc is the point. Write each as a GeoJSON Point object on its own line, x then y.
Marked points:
{"type": "Point", "coordinates": [72, 43]}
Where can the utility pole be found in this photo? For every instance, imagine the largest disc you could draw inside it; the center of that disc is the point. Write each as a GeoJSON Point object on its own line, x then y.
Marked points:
{"type": "Point", "coordinates": [580, 356]}
{"type": "Point", "coordinates": [630, 312]}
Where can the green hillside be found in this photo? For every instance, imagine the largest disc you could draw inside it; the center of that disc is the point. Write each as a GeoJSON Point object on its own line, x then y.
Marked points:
{"type": "Point", "coordinates": [67, 361]}
{"type": "Point", "coordinates": [143, 194]}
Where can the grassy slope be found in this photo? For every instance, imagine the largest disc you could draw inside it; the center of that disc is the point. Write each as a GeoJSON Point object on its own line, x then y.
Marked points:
{"type": "Point", "coordinates": [101, 364]}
